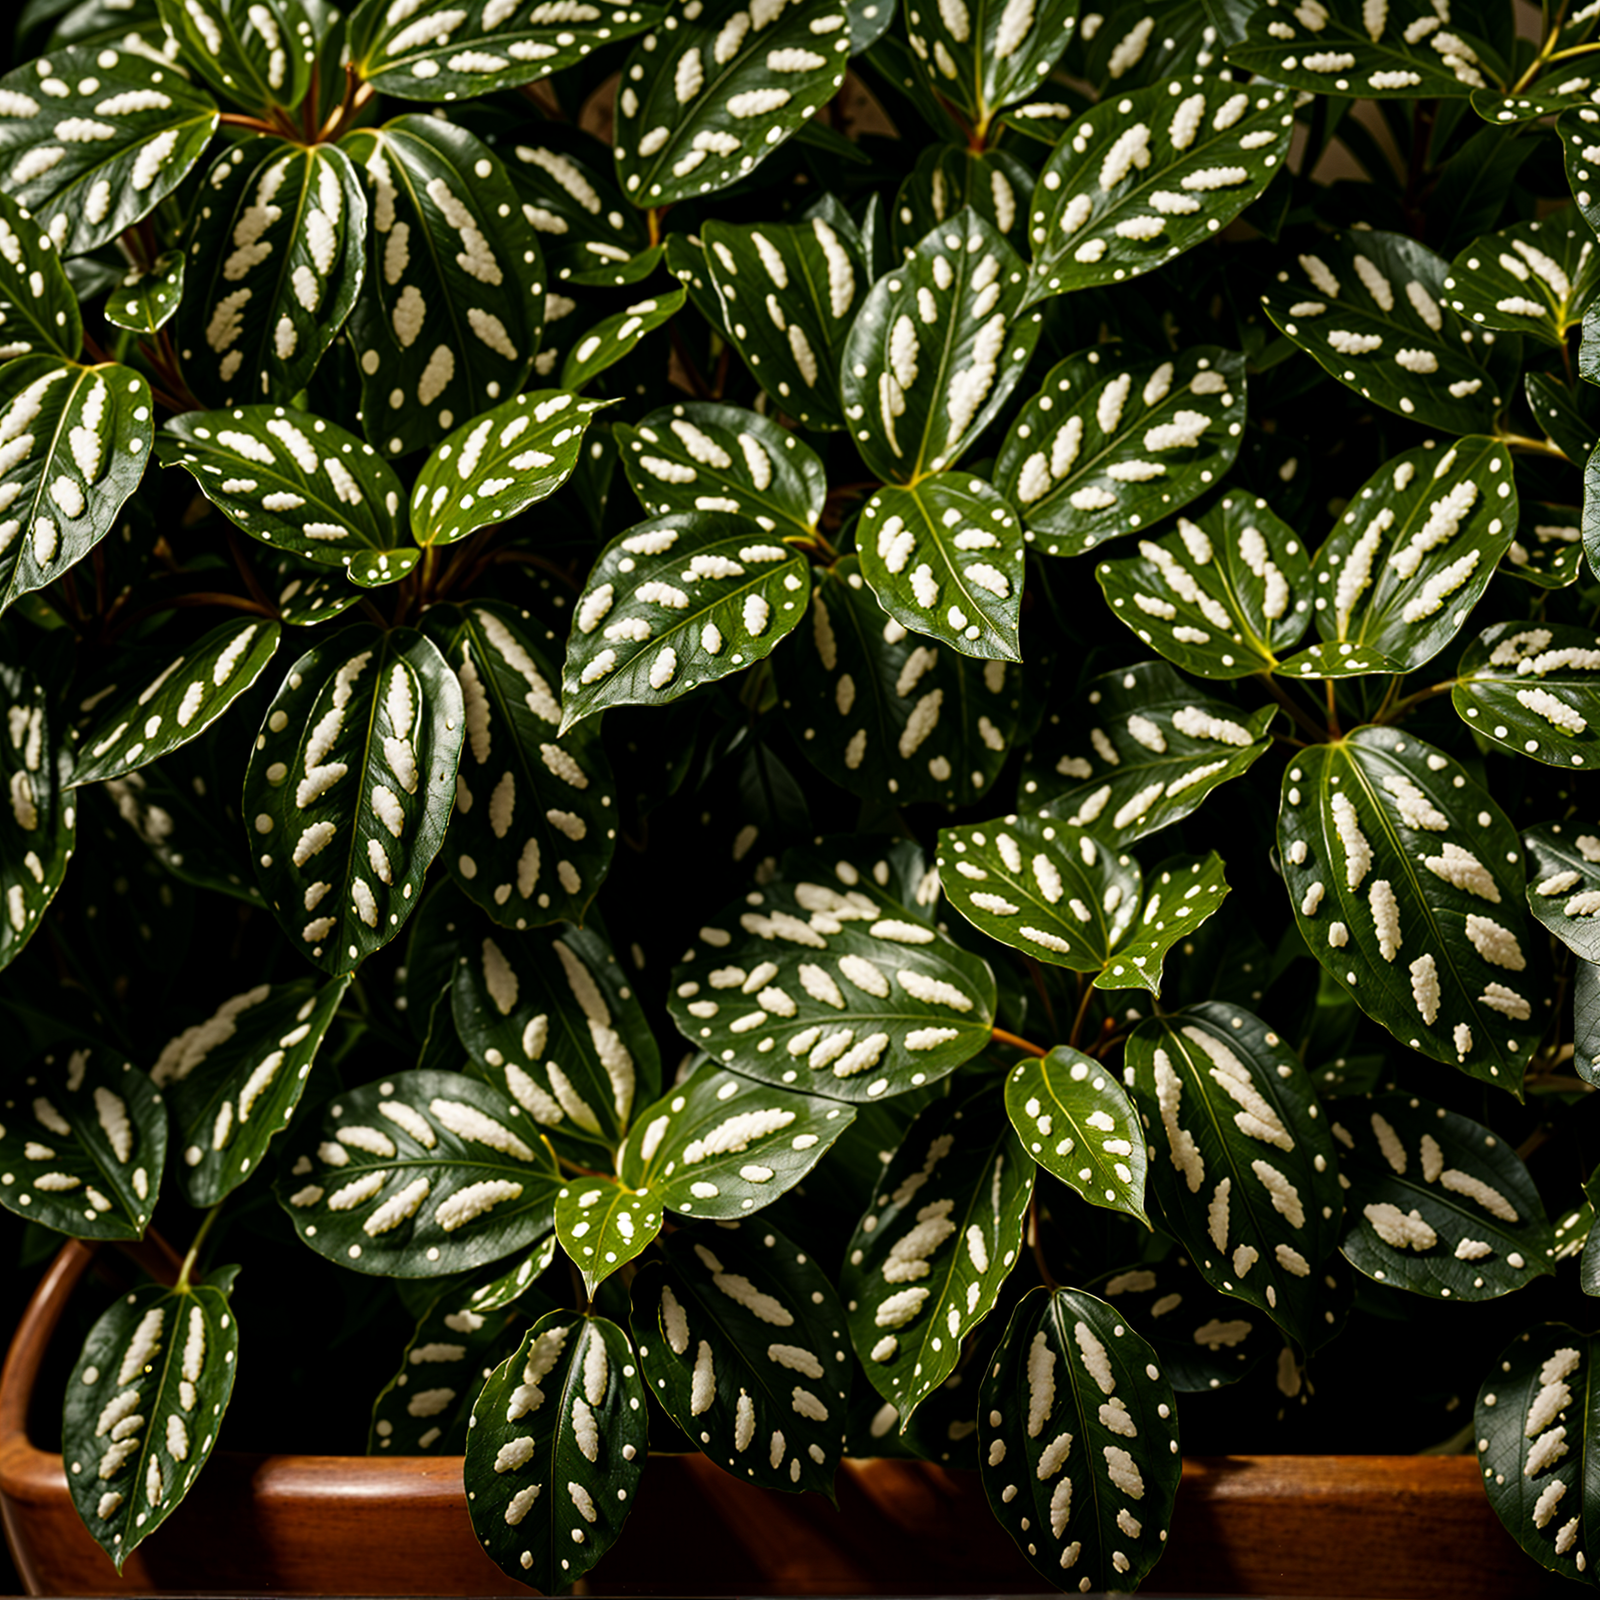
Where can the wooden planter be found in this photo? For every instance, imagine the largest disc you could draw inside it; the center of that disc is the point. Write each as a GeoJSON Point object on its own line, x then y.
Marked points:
{"type": "Point", "coordinates": [1394, 1526]}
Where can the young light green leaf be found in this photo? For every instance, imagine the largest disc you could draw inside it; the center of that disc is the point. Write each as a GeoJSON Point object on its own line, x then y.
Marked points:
{"type": "Point", "coordinates": [1436, 1203]}
{"type": "Point", "coordinates": [1224, 597]}
{"type": "Point", "coordinates": [609, 340]}
{"type": "Point", "coordinates": [145, 301]}
{"type": "Point", "coordinates": [944, 557]}
{"type": "Point", "coordinates": [297, 483]}
{"type": "Point", "coordinates": [889, 710]}
{"type": "Point", "coordinates": [721, 1146]}
{"type": "Point", "coordinates": [38, 308]}
{"type": "Point", "coordinates": [980, 63]}
{"type": "Point", "coordinates": [439, 51]}
{"type": "Point", "coordinates": [676, 602]}
{"type": "Point", "coordinates": [1088, 1431]}
{"type": "Point", "coordinates": [556, 1446]}
{"type": "Point", "coordinates": [1135, 183]}
{"type": "Point", "coordinates": [1075, 1120]}
{"type": "Point", "coordinates": [1180, 894]}
{"type": "Point", "coordinates": [1244, 1169]}
{"type": "Point", "coordinates": [83, 1140]}
{"type": "Point", "coordinates": [77, 442]}
{"type": "Point", "coordinates": [864, 996]}
{"type": "Point", "coordinates": [949, 176]}
{"type": "Point", "coordinates": [588, 233]}
{"type": "Point", "coordinates": [1140, 749]}
{"type": "Point", "coordinates": [236, 1079]}
{"type": "Point", "coordinates": [146, 129]}
{"type": "Point", "coordinates": [144, 1406]}
{"type": "Point", "coordinates": [259, 55]}
{"type": "Point", "coordinates": [38, 826]}
{"type": "Point", "coordinates": [499, 464]}
{"type": "Point", "coordinates": [1425, 930]}
{"type": "Point", "coordinates": [550, 1020]}
{"type": "Point", "coordinates": [535, 819]}
{"type": "Point", "coordinates": [1533, 691]}
{"type": "Point", "coordinates": [729, 86]}
{"type": "Point", "coordinates": [1409, 558]}
{"type": "Point", "coordinates": [350, 787]}
{"type": "Point", "coordinates": [700, 457]}
{"type": "Point", "coordinates": [1563, 886]}
{"type": "Point", "coordinates": [1536, 278]}
{"type": "Point", "coordinates": [174, 700]}
{"type": "Point", "coordinates": [1548, 549]}
{"type": "Point", "coordinates": [1158, 433]}
{"type": "Point", "coordinates": [742, 1338]}
{"type": "Point", "coordinates": [930, 1255]}
{"type": "Point", "coordinates": [1372, 309]}
{"type": "Point", "coordinates": [938, 344]}
{"type": "Point", "coordinates": [455, 280]}
{"type": "Point", "coordinates": [603, 1224]}
{"type": "Point", "coordinates": [423, 1174]}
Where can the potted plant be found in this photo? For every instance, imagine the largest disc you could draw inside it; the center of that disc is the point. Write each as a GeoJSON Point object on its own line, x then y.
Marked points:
{"type": "Point", "coordinates": [637, 609]}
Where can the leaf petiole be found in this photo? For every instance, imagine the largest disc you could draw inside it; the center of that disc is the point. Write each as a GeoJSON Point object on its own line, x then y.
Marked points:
{"type": "Point", "coordinates": [193, 1251]}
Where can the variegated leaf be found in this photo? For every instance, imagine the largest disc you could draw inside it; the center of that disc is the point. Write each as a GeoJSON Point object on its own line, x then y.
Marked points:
{"type": "Point", "coordinates": [350, 787]}
{"type": "Point", "coordinates": [1426, 931]}
{"type": "Point", "coordinates": [260, 55]}
{"type": "Point", "coordinates": [1437, 1204]}
{"type": "Point", "coordinates": [743, 1340]}
{"type": "Point", "coordinates": [175, 699]}
{"type": "Point", "coordinates": [589, 233]}
{"type": "Point", "coordinates": [1180, 894]}
{"type": "Point", "coordinates": [930, 1255]}
{"type": "Point", "coordinates": [39, 820]}
{"type": "Point", "coordinates": [1244, 1166]}
{"type": "Point", "coordinates": [83, 1140]}
{"type": "Point", "coordinates": [1563, 886]}
{"type": "Point", "coordinates": [708, 98]}
{"type": "Point", "coordinates": [1138, 180]}
{"type": "Point", "coordinates": [423, 1174]}
{"type": "Point", "coordinates": [602, 1224]}
{"type": "Point", "coordinates": [616, 336]}
{"type": "Point", "coordinates": [1223, 598]}
{"type": "Point", "coordinates": [1536, 278]}
{"type": "Point", "coordinates": [1533, 691]}
{"type": "Point", "coordinates": [145, 301]}
{"type": "Point", "coordinates": [235, 1080]}
{"type": "Point", "coordinates": [308, 595]}
{"type": "Point", "coordinates": [38, 309]}
{"type": "Point", "coordinates": [1548, 549]}
{"type": "Point", "coordinates": [1569, 414]}
{"type": "Point", "coordinates": [949, 176]}
{"type": "Point", "coordinates": [1158, 433]}
{"type": "Point", "coordinates": [1580, 144]}
{"type": "Point", "coordinates": [980, 63]}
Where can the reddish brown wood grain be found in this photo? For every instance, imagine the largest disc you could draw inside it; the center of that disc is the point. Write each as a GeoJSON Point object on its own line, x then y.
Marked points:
{"type": "Point", "coordinates": [1389, 1526]}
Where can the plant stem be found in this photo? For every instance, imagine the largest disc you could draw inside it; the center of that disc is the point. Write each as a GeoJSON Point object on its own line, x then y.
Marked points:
{"type": "Point", "coordinates": [1034, 1245]}
{"type": "Point", "coordinates": [1521, 441]}
{"type": "Point", "coordinates": [1000, 1036]}
{"type": "Point", "coordinates": [194, 1247]}
{"type": "Point", "coordinates": [1392, 713]}
{"type": "Point", "coordinates": [1083, 1012]}
{"type": "Point", "coordinates": [1334, 731]}
{"type": "Point", "coordinates": [1306, 722]}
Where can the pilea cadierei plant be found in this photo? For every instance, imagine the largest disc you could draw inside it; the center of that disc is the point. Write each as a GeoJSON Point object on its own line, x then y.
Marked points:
{"type": "Point", "coordinates": [636, 608]}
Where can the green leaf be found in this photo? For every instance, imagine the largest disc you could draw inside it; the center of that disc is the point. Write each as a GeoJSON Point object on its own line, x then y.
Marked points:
{"type": "Point", "coordinates": [549, 1019]}
{"type": "Point", "coordinates": [297, 483]}
{"type": "Point", "coordinates": [982, 63]}
{"type": "Point", "coordinates": [700, 457]}
{"type": "Point", "coordinates": [259, 55]}
{"type": "Point", "coordinates": [1569, 415]}
{"type": "Point", "coordinates": [1533, 692]}
{"type": "Point", "coordinates": [148, 129]}
{"type": "Point", "coordinates": [1158, 432]}
{"type": "Point", "coordinates": [1437, 1204]}
{"type": "Point", "coordinates": [454, 306]}
{"type": "Point", "coordinates": [76, 441]}
{"type": "Point", "coordinates": [786, 295]}
{"type": "Point", "coordinates": [38, 308]}
{"type": "Point", "coordinates": [503, 1285]}
{"type": "Point", "coordinates": [174, 700]}
{"type": "Point", "coordinates": [884, 710]}
{"type": "Point", "coordinates": [1536, 278]}
{"type": "Point", "coordinates": [555, 1451]}
{"type": "Point", "coordinates": [1533, 1437]}
{"type": "Point", "coordinates": [897, 1005]}
{"type": "Point", "coordinates": [938, 344]}
{"type": "Point", "coordinates": [949, 176]}
{"type": "Point", "coordinates": [439, 51]}
{"type": "Point", "coordinates": [944, 557]}
{"type": "Point", "coordinates": [1155, 748]}
{"type": "Point", "coordinates": [588, 233]}
{"type": "Point", "coordinates": [743, 1343]}
{"type": "Point", "coordinates": [1244, 1169]}
{"type": "Point", "coordinates": [609, 340]}
{"type": "Point", "coordinates": [1409, 559]}
{"type": "Point", "coordinates": [1580, 146]}
{"type": "Point", "coordinates": [535, 818]}
{"type": "Point", "coordinates": [1133, 184]}
{"type": "Point", "coordinates": [1180, 895]}
{"type": "Point", "coordinates": [720, 1146]}
{"type": "Point", "coordinates": [930, 1256]}
{"type": "Point", "coordinates": [1223, 598]}
{"type": "Point", "coordinates": [145, 301]}
{"type": "Point", "coordinates": [676, 602]}
{"type": "Point", "coordinates": [350, 787]}
{"type": "Point", "coordinates": [731, 84]}
{"type": "Point", "coordinates": [82, 1142]}
{"type": "Point", "coordinates": [1077, 1123]}
{"type": "Point", "coordinates": [1426, 931]}
{"type": "Point", "coordinates": [421, 1175]}
{"type": "Point", "coordinates": [1563, 887]}
{"type": "Point", "coordinates": [144, 1405]}
{"type": "Point", "coordinates": [275, 261]}
{"type": "Point", "coordinates": [236, 1079]}
{"type": "Point", "coordinates": [1088, 1433]}
{"type": "Point", "coordinates": [309, 595]}
{"type": "Point", "coordinates": [1548, 550]}
{"type": "Point", "coordinates": [602, 1224]}
{"type": "Point", "coordinates": [38, 826]}
{"type": "Point", "coordinates": [1372, 309]}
